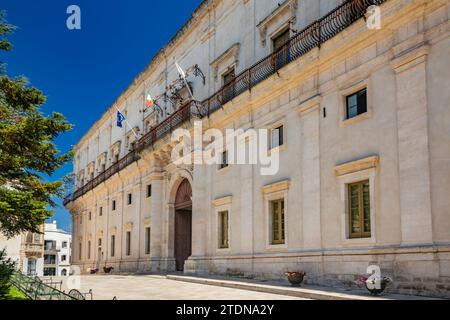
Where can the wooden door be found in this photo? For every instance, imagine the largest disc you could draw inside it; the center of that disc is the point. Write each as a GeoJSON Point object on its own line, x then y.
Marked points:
{"type": "Point", "coordinates": [183, 237]}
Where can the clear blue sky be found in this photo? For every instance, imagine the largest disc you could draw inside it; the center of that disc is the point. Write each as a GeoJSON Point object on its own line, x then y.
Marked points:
{"type": "Point", "coordinates": [83, 71]}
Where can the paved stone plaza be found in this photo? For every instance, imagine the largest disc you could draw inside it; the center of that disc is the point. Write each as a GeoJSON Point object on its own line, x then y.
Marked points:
{"type": "Point", "coordinates": [152, 287]}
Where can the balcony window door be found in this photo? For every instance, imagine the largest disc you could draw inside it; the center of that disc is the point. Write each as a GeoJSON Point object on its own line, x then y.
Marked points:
{"type": "Point", "coordinates": [282, 52]}
{"type": "Point", "coordinates": [227, 78]}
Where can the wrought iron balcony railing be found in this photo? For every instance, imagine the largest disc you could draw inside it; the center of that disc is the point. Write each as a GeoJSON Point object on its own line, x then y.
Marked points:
{"type": "Point", "coordinates": [304, 41]}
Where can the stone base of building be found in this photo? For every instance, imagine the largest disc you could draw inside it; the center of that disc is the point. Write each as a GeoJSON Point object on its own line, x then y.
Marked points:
{"type": "Point", "coordinates": [423, 271]}
{"type": "Point", "coordinates": [415, 270]}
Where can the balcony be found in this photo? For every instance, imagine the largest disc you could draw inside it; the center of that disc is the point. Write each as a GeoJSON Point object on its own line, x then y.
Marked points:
{"type": "Point", "coordinates": [304, 41]}
{"type": "Point", "coordinates": [33, 248]}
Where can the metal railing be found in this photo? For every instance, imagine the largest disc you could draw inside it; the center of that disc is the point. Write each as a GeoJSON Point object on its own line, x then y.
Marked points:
{"type": "Point", "coordinates": [304, 41]}
{"type": "Point", "coordinates": [35, 289]}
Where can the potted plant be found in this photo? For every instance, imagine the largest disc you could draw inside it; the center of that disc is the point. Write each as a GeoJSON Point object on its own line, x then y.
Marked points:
{"type": "Point", "coordinates": [295, 278]}
{"type": "Point", "coordinates": [375, 285]}
{"type": "Point", "coordinates": [94, 271]}
{"type": "Point", "coordinates": [107, 269]}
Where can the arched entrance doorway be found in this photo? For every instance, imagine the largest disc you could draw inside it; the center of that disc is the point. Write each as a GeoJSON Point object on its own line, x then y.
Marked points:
{"type": "Point", "coordinates": [183, 224]}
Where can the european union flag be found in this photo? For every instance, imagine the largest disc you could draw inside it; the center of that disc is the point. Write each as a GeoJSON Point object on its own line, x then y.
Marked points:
{"type": "Point", "coordinates": [120, 119]}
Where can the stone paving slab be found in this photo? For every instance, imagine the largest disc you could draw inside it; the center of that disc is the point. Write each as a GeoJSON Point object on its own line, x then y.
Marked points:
{"type": "Point", "coordinates": [158, 287]}
{"type": "Point", "coordinates": [305, 291]}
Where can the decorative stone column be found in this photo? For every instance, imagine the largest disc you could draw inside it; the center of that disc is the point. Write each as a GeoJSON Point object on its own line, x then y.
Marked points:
{"type": "Point", "coordinates": [310, 116]}
{"type": "Point", "coordinates": [410, 65]}
{"type": "Point", "coordinates": [201, 204]}
{"type": "Point", "coordinates": [156, 215]}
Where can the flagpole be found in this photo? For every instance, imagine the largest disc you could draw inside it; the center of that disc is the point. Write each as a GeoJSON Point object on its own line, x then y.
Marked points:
{"type": "Point", "coordinates": [183, 75]}
{"type": "Point", "coordinates": [131, 128]}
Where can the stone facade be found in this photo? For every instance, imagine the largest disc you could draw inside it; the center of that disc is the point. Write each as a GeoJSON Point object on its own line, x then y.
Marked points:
{"type": "Point", "coordinates": [400, 146]}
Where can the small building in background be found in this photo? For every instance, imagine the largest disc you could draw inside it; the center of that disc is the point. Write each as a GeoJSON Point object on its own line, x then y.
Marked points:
{"type": "Point", "coordinates": [57, 250]}
{"type": "Point", "coordinates": [27, 250]}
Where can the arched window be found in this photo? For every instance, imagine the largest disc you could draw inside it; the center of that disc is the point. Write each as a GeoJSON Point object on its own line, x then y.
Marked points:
{"type": "Point", "coordinates": [64, 272]}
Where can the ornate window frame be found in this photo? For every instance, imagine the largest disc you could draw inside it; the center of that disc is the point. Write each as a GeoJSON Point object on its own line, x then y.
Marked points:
{"type": "Point", "coordinates": [226, 61]}
{"type": "Point", "coordinates": [289, 9]}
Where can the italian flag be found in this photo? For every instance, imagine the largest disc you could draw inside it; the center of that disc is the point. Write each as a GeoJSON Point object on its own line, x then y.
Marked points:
{"type": "Point", "coordinates": [149, 101]}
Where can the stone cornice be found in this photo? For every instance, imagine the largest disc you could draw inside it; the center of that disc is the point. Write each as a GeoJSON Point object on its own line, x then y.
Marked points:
{"type": "Point", "coordinates": [129, 226]}
{"type": "Point", "coordinates": [358, 165]}
{"type": "Point", "coordinates": [222, 201]}
{"type": "Point", "coordinates": [233, 52]}
{"type": "Point", "coordinates": [310, 104]}
{"type": "Point", "coordinates": [200, 11]}
{"type": "Point", "coordinates": [276, 187]}
{"type": "Point", "coordinates": [286, 5]}
{"type": "Point", "coordinates": [410, 57]}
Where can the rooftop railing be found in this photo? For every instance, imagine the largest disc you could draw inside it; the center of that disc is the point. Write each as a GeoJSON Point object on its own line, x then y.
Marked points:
{"type": "Point", "coordinates": [304, 41]}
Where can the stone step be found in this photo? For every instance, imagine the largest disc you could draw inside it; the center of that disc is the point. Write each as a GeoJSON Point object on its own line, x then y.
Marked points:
{"type": "Point", "coordinates": [306, 292]}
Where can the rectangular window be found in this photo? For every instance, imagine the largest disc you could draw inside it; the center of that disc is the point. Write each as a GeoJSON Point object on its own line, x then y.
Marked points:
{"type": "Point", "coordinates": [149, 191]}
{"type": "Point", "coordinates": [113, 245]}
{"type": "Point", "coordinates": [103, 167]}
{"type": "Point", "coordinates": [63, 257]}
{"type": "Point", "coordinates": [223, 230]}
{"type": "Point", "coordinates": [128, 244]}
{"type": "Point", "coordinates": [99, 242]}
{"type": "Point", "coordinates": [281, 39]}
{"type": "Point", "coordinates": [223, 160]}
{"type": "Point", "coordinates": [114, 205]}
{"type": "Point", "coordinates": [89, 250]}
{"type": "Point", "coordinates": [356, 104]}
{"type": "Point", "coordinates": [359, 210]}
{"type": "Point", "coordinates": [79, 251]}
{"type": "Point", "coordinates": [130, 199]}
{"type": "Point", "coordinates": [90, 216]}
{"type": "Point", "coordinates": [100, 212]}
{"type": "Point", "coordinates": [49, 259]}
{"type": "Point", "coordinates": [64, 244]}
{"type": "Point", "coordinates": [81, 219]}
{"type": "Point", "coordinates": [277, 216]}
{"type": "Point", "coordinates": [228, 92]}
{"type": "Point", "coordinates": [147, 240]}
{"type": "Point", "coordinates": [50, 245]}
{"type": "Point", "coordinates": [228, 76]}
{"type": "Point", "coordinates": [277, 137]}
{"type": "Point", "coordinates": [116, 158]}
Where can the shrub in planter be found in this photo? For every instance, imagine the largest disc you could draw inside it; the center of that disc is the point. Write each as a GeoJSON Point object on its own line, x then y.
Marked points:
{"type": "Point", "coordinates": [7, 267]}
{"type": "Point", "coordinates": [295, 278]}
{"type": "Point", "coordinates": [94, 271]}
{"type": "Point", "coordinates": [108, 269]}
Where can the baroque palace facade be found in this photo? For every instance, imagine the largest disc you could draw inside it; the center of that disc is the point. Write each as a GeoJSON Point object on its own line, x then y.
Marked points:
{"type": "Point", "coordinates": [360, 119]}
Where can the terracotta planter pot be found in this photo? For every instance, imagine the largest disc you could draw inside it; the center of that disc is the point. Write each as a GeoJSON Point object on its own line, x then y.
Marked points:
{"type": "Point", "coordinates": [376, 292]}
{"type": "Point", "coordinates": [107, 269]}
{"type": "Point", "coordinates": [296, 279]}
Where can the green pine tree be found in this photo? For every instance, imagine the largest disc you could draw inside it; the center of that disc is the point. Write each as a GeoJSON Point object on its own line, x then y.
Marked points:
{"type": "Point", "coordinates": [27, 152]}
{"type": "Point", "coordinates": [7, 267]}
